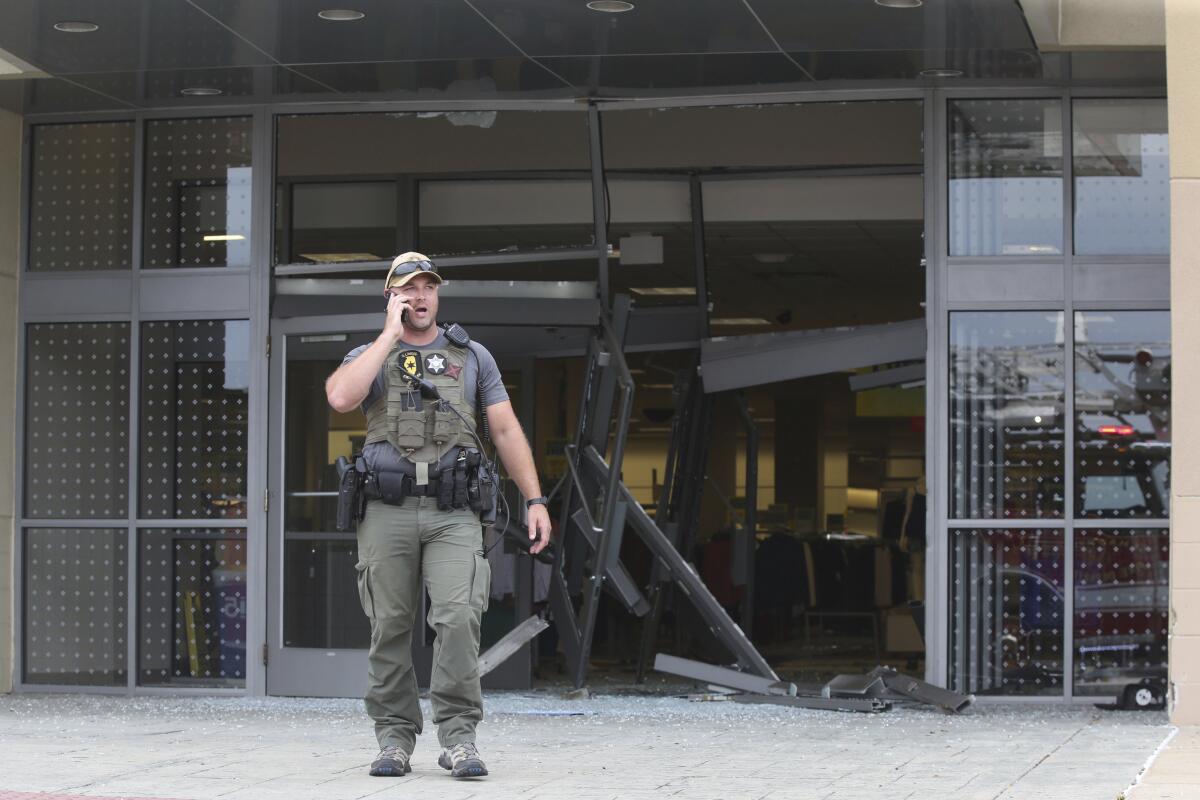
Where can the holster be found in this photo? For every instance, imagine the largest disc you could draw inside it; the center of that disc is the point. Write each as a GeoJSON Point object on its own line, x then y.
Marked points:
{"type": "Point", "coordinates": [351, 502]}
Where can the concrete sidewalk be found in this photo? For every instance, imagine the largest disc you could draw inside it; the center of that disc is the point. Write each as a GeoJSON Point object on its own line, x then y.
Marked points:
{"type": "Point", "coordinates": [1175, 771]}
{"type": "Point", "coordinates": [541, 746]}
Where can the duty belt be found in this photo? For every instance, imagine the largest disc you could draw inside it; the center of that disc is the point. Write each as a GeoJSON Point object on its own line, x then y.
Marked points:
{"type": "Point", "coordinates": [395, 486]}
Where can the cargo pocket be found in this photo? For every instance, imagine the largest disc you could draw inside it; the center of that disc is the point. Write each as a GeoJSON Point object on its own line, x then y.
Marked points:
{"type": "Point", "coordinates": [364, 589]}
{"type": "Point", "coordinates": [481, 585]}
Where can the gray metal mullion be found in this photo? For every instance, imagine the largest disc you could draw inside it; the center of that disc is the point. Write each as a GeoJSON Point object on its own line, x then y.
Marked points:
{"type": "Point", "coordinates": [696, 188]}
{"type": "Point", "coordinates": [1109, 523]}
{"type": "Point", "coordinates": [171, 522]}
{"type": "Point", "coordinates": [1068, 152]}
{"type": "Point", "coordinates": [262, 177]}
{"type": "Point", "coordinates": [18, 483]}
{"type": "Point", "coordinates": [937, 401]}
{"type": "Point", "coordinates": [135, 385]}
{"type": "Point", "coordinates": [599, 204]}
{"type": "Point", "coordinates": [25, 216]}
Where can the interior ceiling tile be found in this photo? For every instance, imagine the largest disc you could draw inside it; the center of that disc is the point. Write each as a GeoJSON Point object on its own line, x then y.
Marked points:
{"type": "Point", "coordinates": [617, 74]}
{"type": "Point", "coordinates": [391, 31]}
{"type": "Point", "coordinates": [450, 79]}
{"type": "Point", "coordinates": [148, 34]}
{"type": "Point", "coordinates": [570, 28]}
{"type": "Point", "coordinates": [808, 25]}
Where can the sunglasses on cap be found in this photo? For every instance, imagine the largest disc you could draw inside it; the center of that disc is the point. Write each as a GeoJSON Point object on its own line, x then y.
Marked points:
{"type": "Point", "coordinates": [406, 268]}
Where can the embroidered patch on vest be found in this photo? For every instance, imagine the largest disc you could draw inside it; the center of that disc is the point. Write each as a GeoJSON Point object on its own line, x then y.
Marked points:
{"type": "Point", "coordinates": [410, 361]}
{"type": "Point", "coordinates": [435, 363]}
{"type": "Point", "coordinates": [452, 371]}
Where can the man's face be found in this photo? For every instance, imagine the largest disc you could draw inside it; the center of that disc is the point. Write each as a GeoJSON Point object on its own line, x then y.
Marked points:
{"type": "Point", "coordinates": [422, 295]}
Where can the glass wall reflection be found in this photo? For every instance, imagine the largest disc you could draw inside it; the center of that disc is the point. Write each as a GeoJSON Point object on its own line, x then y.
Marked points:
{"type": "Point", "coordinates": [1122, 177]}
{"type": "Point", "coordinates": [1122, 414]}
{"type": "Point", "coordinates": [1007, 406]}
{"type": "Point", "coordinates": [1006, 177]}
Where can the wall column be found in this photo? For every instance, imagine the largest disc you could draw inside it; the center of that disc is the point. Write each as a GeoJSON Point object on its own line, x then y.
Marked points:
{"type": "Point", "coordinates": [1183, 100]}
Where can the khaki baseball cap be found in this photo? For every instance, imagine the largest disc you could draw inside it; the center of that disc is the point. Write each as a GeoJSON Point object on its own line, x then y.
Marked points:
{"type": "Point", "coordinates": [407, 265]}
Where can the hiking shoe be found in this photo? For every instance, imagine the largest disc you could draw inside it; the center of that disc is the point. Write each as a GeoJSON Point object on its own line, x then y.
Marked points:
{"type": "Point", "coordinates": [463, 761]}
{"type": "Point", "coordinates": [392, 762]}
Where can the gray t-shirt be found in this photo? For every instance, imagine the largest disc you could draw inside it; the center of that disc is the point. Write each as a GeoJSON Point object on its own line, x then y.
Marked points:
{"type": "Point", "coordinates": [480, 370]}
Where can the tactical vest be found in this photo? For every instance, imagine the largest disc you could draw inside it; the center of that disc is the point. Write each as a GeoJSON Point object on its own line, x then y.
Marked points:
{"type": "Point", "coordinates": [415, 426]}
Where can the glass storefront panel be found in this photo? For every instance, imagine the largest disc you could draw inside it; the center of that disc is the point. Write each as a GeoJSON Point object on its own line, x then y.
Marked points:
{"type": "Point", "coordinates": [192, 590]}
{"type": "Point", "coordinates": [81, 197]}
{"type": "Point", "coordinates": [444, 183]}
{"type": "Point", "coordinates": [1006, 611]}
{"type": "Point", "coordinates": [197, 193]}
{"type": "Point", "coordinates": [1121, 606]}
{"type": "Point", "coordinates": [1122, 414]}
{"type": "Point", "coordinates": [75, 606]}
{"type": "Point", "coordinates": [195, 394]}
{"type": "Point", "coordinates": [1122, 177]}
{"type": "Point", "coordinates": [321, 606]}
{"type": "Point", "coordinates": [1006, 177]}
{"type": "Point", "coordinates": [77, 420]}
{"type": "Point", "coordinates": [1007, 406]}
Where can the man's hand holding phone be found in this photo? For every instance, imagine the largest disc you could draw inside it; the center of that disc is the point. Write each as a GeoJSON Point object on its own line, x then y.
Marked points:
{"type": "Point", "coordinates": [397, 315]}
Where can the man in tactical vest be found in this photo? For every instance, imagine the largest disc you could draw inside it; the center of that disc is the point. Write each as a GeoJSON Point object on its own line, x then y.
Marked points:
{"type": "Point", "coordinates": [425, 483]}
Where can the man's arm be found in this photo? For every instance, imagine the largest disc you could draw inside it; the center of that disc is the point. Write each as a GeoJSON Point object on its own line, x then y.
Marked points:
{"type": "Point", "coordinates": [514, 451]}
{"type": "Point", "coordinates": [350, 383]}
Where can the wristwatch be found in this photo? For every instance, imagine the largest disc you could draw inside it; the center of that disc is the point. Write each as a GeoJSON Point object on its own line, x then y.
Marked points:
{"type": "Point", "coordinates": [536, 501]}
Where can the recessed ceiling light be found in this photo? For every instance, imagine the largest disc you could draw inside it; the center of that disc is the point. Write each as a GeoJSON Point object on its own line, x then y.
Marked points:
{"type": "Point", "coordinates": [340, 14]}
{"type": "Point", "coordinates": [200, 91]}
{"type": "Point", "coordinates": [940, 72]}
{"type": "Point", "coordinates": [76, 27]}
{"type": "Point", "coordinates": [900, 3]}
{"type": "Point", "coordinates": [610, 6]}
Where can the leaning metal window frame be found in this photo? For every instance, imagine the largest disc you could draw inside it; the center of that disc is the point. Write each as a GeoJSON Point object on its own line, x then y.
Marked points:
{"type": "Point", "coordinates": [43, 306]}
{"type": "Point", "coordinates": [968, 283]}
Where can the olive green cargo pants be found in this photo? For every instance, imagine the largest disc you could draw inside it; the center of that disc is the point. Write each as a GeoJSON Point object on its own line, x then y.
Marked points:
{"type": "Point", "coordinates": [397, 546]}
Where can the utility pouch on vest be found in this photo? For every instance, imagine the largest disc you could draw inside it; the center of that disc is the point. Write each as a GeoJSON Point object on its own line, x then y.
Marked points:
{"type": "Point", "coordinates": [445, 425]}
{"type": "Point", "coordinates": [410, 429]}
{"type": "Point", "coordinates": [350, 501]}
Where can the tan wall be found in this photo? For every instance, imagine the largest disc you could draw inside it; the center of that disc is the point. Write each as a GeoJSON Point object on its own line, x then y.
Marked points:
{"type": "Point", "coordinates": [10, 182]}
{"type": "Point", "coordinates": [1084, 24]}
{"type": "Point", "coordinates": [1183, 101]}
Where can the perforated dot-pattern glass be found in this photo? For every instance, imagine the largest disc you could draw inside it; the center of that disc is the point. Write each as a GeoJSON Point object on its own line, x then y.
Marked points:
{"type": "Point", "coordinates": [1122, 177]}
{"type": "Point", "coordinates": [197, 192]}
{"type": "Point", "coordinates": [1006, 177]}
{"type": "Point", "coordinates": [192, 607]}
{"type": "Point", "coordinates": [1122, 414]}
{"type": "Point", "coordinates": [77, 420]}
{"type": "Point", "coordinates": [194, 415]}
{"type": "Point", "coordinates": [81, 199]}
{"type": "Point", "coordinates": [1006, 618]}
{"type": "Point", "coordinates": [1121, 603]}
{"type": "Point", "coordinates": [75, 606]}
{"type": "Point", "coordinates": [1007, 384]}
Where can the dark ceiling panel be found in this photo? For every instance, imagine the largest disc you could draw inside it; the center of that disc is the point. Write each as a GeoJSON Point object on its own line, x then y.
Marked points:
{"type": "Point", "coordinates": [133, 35]}
{"type": "Point", "coordinates": [435, 80]}
{"type": "Point", "coordinates": [616, 74]}
{"type": "Point", "coordinates": [413, 30]}
{"type": "Point", "coordinates": [570, 28]}
{"type": "Point", "coordinates": [809, 25]}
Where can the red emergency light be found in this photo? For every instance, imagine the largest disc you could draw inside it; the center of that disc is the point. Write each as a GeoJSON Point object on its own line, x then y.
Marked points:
{"type": "Point", "coordinates": [1116, 430]}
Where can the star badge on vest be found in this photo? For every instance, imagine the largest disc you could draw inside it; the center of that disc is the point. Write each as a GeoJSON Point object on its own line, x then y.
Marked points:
{"type": "Point", "coordinates": [452, 371]}
{"type": "Point", "coordinates": [435, 363]}
{"type": "Point", "coordinates": [410, 361]}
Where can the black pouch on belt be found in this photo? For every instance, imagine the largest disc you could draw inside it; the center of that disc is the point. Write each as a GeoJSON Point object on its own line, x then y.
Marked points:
{"type": "Point", "coordinates": [391, 487]}
{"type": "Point", "coordinates": [445, 490]}
{"type": "Point", "coordinates": [349, 488]}
{"type": "Point", "coordinates": [461, 498]}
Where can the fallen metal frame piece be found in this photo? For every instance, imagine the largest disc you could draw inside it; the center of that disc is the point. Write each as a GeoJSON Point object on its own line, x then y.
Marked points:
{"type": "Point", "coordinates": [510, 643]}
{"type": "Point", "coordinates": [885, 683]}
{"type": "Point", "coordinates": [870, 693]}
{"type": "Point", "coordinates": [758, 690]}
